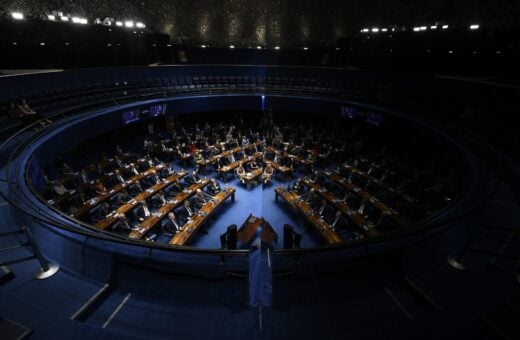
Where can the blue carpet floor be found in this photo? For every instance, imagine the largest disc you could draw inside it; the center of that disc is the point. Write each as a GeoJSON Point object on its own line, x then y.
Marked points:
{"type": "Point", "coordinates": [259, 201]}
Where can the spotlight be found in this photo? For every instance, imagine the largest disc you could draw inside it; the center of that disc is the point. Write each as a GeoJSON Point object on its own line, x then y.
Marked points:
{"type": "Point", "coordinates": [17, 15]}
{"type": "Point", "coordinates": [384, 29]}
{"type": "Point", "coordinates": [434, 27]}
{"type": "Point", "coordinates": [42, 44]}
{"type": "Point", "coordinates": [129, 23]}
{"type": "Point", "coordinates": [305, 48]}
{"type": "Point", "coordinates": [203, 46]}
{"type": "Point", "coordinates": [51, 17]}
{"type": "Point", "coordinates": [416, 29]}
{"type": "Point", "coordinates": [445, 27]}
{"type": "Point", "coordinates": [375, 30]}
{"type": "Point", "coordinates": [474, 27]}
{"type": "Point", "coordinates": [277, 47]}
{"type": "Point", "coordinates": [83, 21]}
{"type": "Point", "coordinates": [76, 20]}
{"type": "Point", "coordinates": [119, 23]}
{"type": "Point", "coordinates": [231, 46]}
{"type": "Point", "coordinates": [107, 22]}
{"type": "Point", "coordinates": [423, 28]}
{"type": "Point", "coordinates": [259, 47]}
{"type": "Point", "coordinates": [365, 30]}
{"type": "Point", "coordinates": [140, 25]}
{"type": "Point", "coordinates": [64, 18]}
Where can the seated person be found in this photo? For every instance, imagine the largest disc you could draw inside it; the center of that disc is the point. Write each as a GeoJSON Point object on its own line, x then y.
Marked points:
{"type": "Point", "coordinates": [175, 188]}
{"type": "Point", "coordinates": [152, 179]}
{"type": "Point", "coordinates": [133, 170]}
{"type": "Point", "coordinates": [171, 224]}
{"type": "Point", "coordinates": [298, 187]}
{"type": "Point", "coordinates": [82, 177]}
{"type": "Point", "coordinates": [252, 165]}
{"type": "Point", "coordinates": [198, 159]}
{"type": "Point", "coordinates": [239, 155]}
{"type": "Point", "coordinates": [312, 199]}
{"type": "Point", "coordinates": [192, 178]}
{"type": "Point", "coordinates": [135, 189]}
{"type": "Point", "coordinates": [241, 172]}
{"type": "Point", "coordinates": [101, 213]}
{"type": "Point", "coordinates": [116, 179]}
{"type": "Point", "coordinates": [268, 173]}
{"type": "Point", "coordinates": [122, 224]}
{"type": "Point", "coordinates": [201, 198]}
{"type": "Point", "coordinates": [158, 200]}
{"type": "Point", "coordinates": [142, 212]}
{"type": "Point", "coordinates": [59, 188]}
{"type": "Point", "coordinates": [186, 211]}
{"type": "Point", "coordinates": [245, 141]}
{"type": "Point", "coordinates": [99, 188]}
{"type": "Point", "coordinates": [123, 198]}
{"type": "Point", "coordinates": [213, 187]}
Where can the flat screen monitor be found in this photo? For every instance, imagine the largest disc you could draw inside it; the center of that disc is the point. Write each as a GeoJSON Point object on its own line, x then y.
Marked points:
{"type": "Point", "coordinates": [131, 116]}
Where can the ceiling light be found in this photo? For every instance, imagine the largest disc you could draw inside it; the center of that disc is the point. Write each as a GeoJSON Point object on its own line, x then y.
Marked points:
{"type": "Point", "coordinates": [51, 17]}
{"type": "Point", "coordinates": [17, 15]}
{"type": "Point", "coordinates": [474, 27]}
{"type": "Point", "coordinates": [129, 23]}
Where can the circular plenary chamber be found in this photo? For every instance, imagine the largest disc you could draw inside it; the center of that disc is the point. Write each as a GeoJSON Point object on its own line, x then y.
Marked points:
{"type": "Point", "coordinates": [227, 172]}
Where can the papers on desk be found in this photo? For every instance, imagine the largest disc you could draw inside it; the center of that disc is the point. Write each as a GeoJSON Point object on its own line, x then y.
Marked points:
{"type": "Point", "coordinates": [249, 174]}
{"type": "Point", "coordinates": [111, 191]}
{"type": "Point", "coordinates": [51, 201]}
{"type": "Point", "coordinates": [132, 201]}
{"type": "Point", "coordinates": [149, 190]}
{"type": "Point", "coordinates": [173, 201]}
{"type": "Point", "coordinates": [157, 214]}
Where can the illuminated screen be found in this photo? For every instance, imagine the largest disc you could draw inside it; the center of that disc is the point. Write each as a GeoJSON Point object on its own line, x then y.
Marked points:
{"type": "Point", "coordinates": [130, 116]}
{"type": "Point", "coordinates": [157, 110]}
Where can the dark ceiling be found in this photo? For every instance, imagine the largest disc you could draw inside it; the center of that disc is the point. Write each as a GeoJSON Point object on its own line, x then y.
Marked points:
{"type": "Point", "coordinates": [275, 22]}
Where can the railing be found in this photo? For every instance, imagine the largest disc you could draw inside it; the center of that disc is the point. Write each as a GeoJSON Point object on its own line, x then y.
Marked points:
{"type": "Point", "coordinates": [279, 87]}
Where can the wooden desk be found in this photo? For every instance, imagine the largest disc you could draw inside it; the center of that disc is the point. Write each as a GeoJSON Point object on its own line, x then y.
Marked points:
{"type": "Point", "coordinates": [107, 222]}
{"type": "Point", "coordinates": [381, 206]}
{"type": "Point", "coordinates": [201, 216]}
{"type": "Point", "coordinates": [248, 177]}
{"type": "Point", "coordinates": [85, 209]}
{"type": "Point", "coordinates": [163, 211]}
{"type": "Point", "coordinates": [248, 230]}
{"type": "Point", "coordinates": [359, 220]}
{"type": "Point", "coordinates": [319, 224]}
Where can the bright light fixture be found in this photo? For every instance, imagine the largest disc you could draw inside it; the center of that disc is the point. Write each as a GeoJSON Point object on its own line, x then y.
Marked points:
{"type": "Point", "coordinates": [231, 46]}
{"type": "Point", "coordinates": [17, 15]}
{"type": "Point", "coordinates": [119, 23]}
{"type": "Point", "coordinates": [474, 27]}
{"type": "Point", "coordinates": [434, 27]}
{"type": "Point", "coordinates": [140, 25]}
{"type": "Point", "coordinates": [259, 47]}
{"type": "Point", "coordinates": [129, 23]}
{"type": "Point", "coordinates": [375, 30]}
{"type": "Point", "coordinates": [51, 17]}
{"type": "Point", "coordinates": [445, 27]}
{"type": "Point", "coordinates": [277, 47]}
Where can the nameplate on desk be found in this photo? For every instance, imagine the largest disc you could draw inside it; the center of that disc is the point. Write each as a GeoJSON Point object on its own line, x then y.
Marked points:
{"type": "Point", "coordinates": [149, 190]}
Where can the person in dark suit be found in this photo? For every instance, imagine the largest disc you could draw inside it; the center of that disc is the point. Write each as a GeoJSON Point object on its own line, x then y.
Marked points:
{"type": "Point", "coordinates": [102, 212]}
{"type": "Point", "coordinates": [213, 187]}
{"type": "Point", "coordinates": [135, 189]}
{"type": "Point", "coordinates": [158, 200]}
{"type": "Point", "coordinates": [175, 188]}
{"type": "Point", "coordinates": [192, 178]}
{"type": "Point", "coordinates": [142, 212]}
{"type": "Point", "coordinates": [186, 211]}
{"type": "Point", "coordinates": [133, 170]}
{"type": "Point", "coordinates": [122, 224]}
{"type": "Point", "coordinates": [152, 179]}
{"type": "Point", "coordinates": [171, 225]}
{"type": "Point", "coordinates": [123, 198]}
{"type": "Point", "coordinates": [201, 198]}
{"type": "Point", "coordinates": [116, 179]}
{"type": "Point", "coordinates": [99, 188]}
